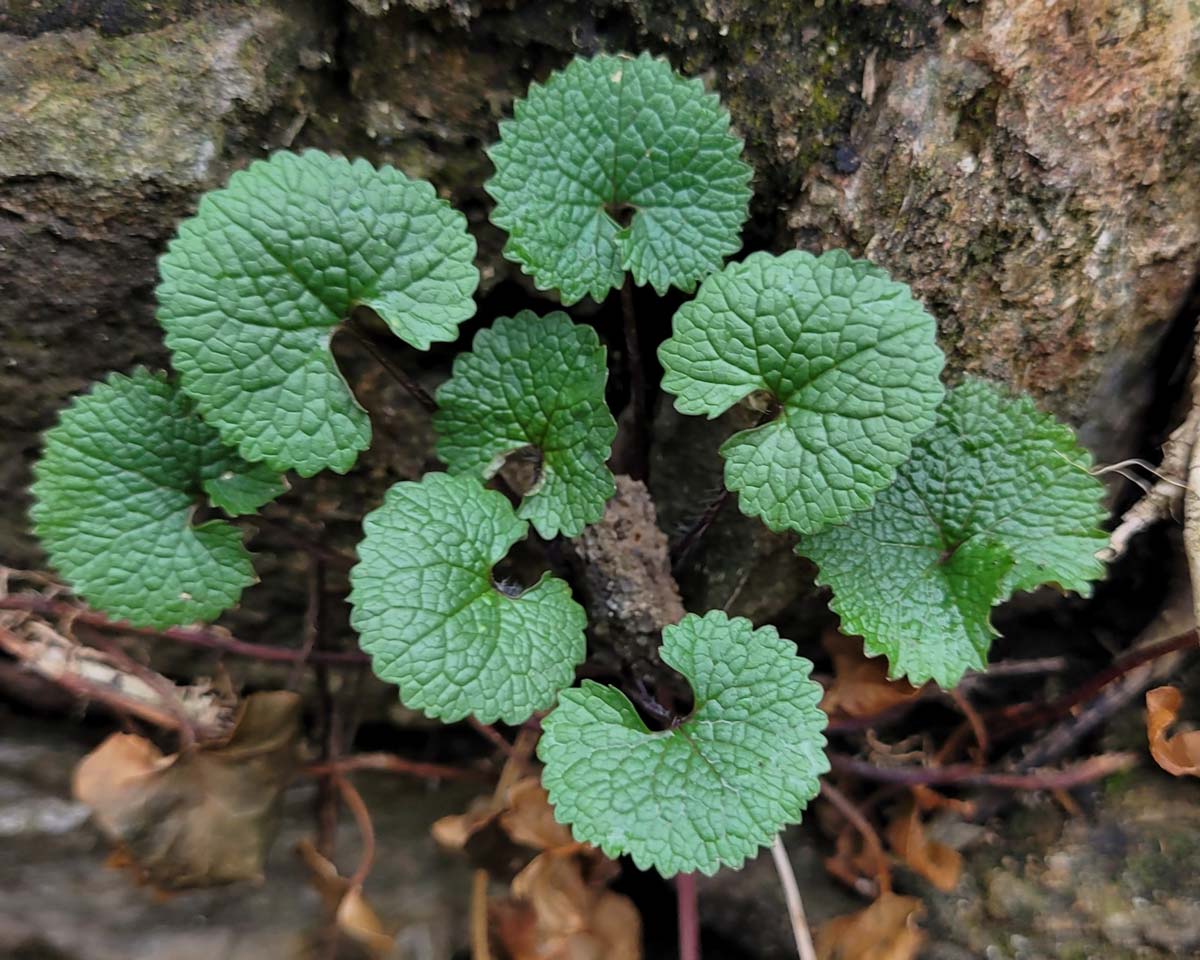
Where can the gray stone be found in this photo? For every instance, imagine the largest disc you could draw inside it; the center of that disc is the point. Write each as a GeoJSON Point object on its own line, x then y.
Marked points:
{"type": "Point", "coordinates": [59, 898]}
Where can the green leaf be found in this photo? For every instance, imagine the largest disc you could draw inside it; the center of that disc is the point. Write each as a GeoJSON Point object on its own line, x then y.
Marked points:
{"type": "Point", "coordinates": [996, 498]}
{"type": "Point", "coordinates": [610, 138]}
{"type": "Point", "coordinates": [255, 284]}
{"type": "Point", "coordinates": [710, 791]}
{"type": "Point", "coordinates": [845, 354]}
{"type": "Point", "coordinates": [537, 382]}
{"type": "Point", "coordinates": [435, 623]}
{"type": "Point", "coordinates": [116, 488]}
{"type": "Point", "coordinates": [238, 487]}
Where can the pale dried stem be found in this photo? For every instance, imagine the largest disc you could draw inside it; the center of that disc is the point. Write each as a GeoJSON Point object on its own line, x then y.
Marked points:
{"type": "Point", "coordinates": [1162, 500]}
{"type": "Point", "coordinates": [795, 906]}
{"type": "Point", "coordinates": [479, 917]}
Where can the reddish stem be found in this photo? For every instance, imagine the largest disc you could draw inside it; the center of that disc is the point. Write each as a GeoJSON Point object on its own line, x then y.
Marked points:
{"type": "Point", "coordinates": [358, 808]}
{"type": "Point", "coordinates": [637, 383]}
{"type": "Point", "coordinates": [967, 775]}
{"type": "Point", "coordinates": [212, 639]}
{"type": "Point", "coordinates": [689, 916]}
{"type": "Point", "coordinates": [111, 697]}
{"type": "Point", "coordinates": [389, 763]}
{"type": "Point", "coordinates": [870, 837]}
{"type": "Point", "coordinates": [1025, 715]}
{"type": "Point", "coordinates": [415, 390]}
{"type": "Point", "coordinates": [490, 734]}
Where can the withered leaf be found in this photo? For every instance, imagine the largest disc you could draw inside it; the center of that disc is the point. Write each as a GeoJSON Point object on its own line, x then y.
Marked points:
{"type": "Point", "coordinates": [556, 913]}
{"type": "Point", "coordinates": [560, 907]}
{"type": "Point", "coordinates": [939, 864]}
{"type": "Point", "coordinates": [886, 930]}
{"type": "Point", "coordinates": [347, 906]}
{"type": "Point", "coordinates": [860, 686]}
{"type": "Point", "coordinates": [202, 817]}
{"type": "Point", "coordinates": [529, 818]}
{"type": "Point", "coordinates": [1179, 755]}
{"type": "Point", "coordinates": [497, 832]}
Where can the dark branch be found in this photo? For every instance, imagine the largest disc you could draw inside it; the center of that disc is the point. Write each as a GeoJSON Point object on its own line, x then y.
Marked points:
{"type": "Point", "coordinates": [213, 639]}
{"type": "Point", "coordinates": [418, 393]}
{"type": "Point", "coordinates": [967, 775]}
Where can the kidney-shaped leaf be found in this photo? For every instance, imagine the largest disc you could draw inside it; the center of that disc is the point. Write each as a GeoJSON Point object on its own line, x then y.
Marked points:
{"type": "Point", "coordinates": [435, 623]}
{"type": "Point", "coordinates": [115, 490]}
{"type": "Point", "coordinates": [846, 354]}
{"type": "Point", "coordinates": [538, 382]}
{"type": "Point", "coordinates": [713, 789]}
{"type": "Point", "coordinates": [618, 164]}
{"type": "Point", "coordinates": [996, 498]}
{"type": "Point", "coordinates": [256, 282]}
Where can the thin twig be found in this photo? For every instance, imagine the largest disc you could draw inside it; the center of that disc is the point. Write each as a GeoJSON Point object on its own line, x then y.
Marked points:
{"type": "Point", "coordinates": [297, 541]}
{"type": "Point", "coordinates": [974, 720]}
{"type": "Point", "coordinates": [490, 734]}
{"type": "Point", "coordinates": [1058, 739]}
{"type": "Point", "coordinates": [390, 763]}
{"type": "Point", "coordinates": [210, 638]}
{"type": "Point", "coordinates": [688, 914]}
{"type": "Point", "coordinates": [312, 619]}
{"type": "Point", "coordinates": [418, 393]}
{"type": "Point", "coordinates": [870, 837]}
{"type": "Point", "coordinates": [1023, 716]}
{"type": "Point", "coordinates": [637, 382]}
{"type": "Point", "coordinates": [479, 917]}
{"type": "Point", "coordinates": [738, 587]}
{"type": "Point", "coordinates": [362, 816]}
{"type": "Point", "coordinates": [1018, 668]}
{"type": "Point", "coordinates": [791, 895]}
{"type": "Point", "coordinates": [1165, 496]}
{"type": "Point", "coordinates": [688, 542]}
{"type": "Point", "coordinates": [84, 689]}
{"type": "Point", "coordinates": [966, 775]}
{"type": "Point", "coordinates": [165, 689]}
{"type": "Point", "coordinates": [327, 789]}
{"type": "Point", "coordinates": [876, 720]}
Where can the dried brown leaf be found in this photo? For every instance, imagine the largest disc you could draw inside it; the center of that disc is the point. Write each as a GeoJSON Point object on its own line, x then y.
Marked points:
{"type": "Point", "coordinates": [202, 817]}
{"type": "Point", "coordinates": [452, 832]}
{"type": "Point", "coordinates": [498, 832]}
{"type": "Point", "coordinates": [886, 930]}
{"type": "Point", "coordinates": [926, 799]}
{"type": "Point", "coordinates": [1179, 755]}
{"type": "Point", "coordinates": [860, 686]}
{"type": "Point", "coordinates": [855, 864]}
{"type": "Point", "coordinates": [556, 913]}
{"type": "Point", "coordinates": [529, 818]}
{"type": "Point", "coordinates": [939, 864]}
{"type": "Point", "coordinates": [347, 906]}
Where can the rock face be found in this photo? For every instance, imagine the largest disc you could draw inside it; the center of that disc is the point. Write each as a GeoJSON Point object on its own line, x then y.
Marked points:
{"type": "Point", "coordinates": [105, 141]}
{"type": "Point", "coordinates": [1029, 168]}
{"type": "Point", "coordinates": [1028, 175]}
